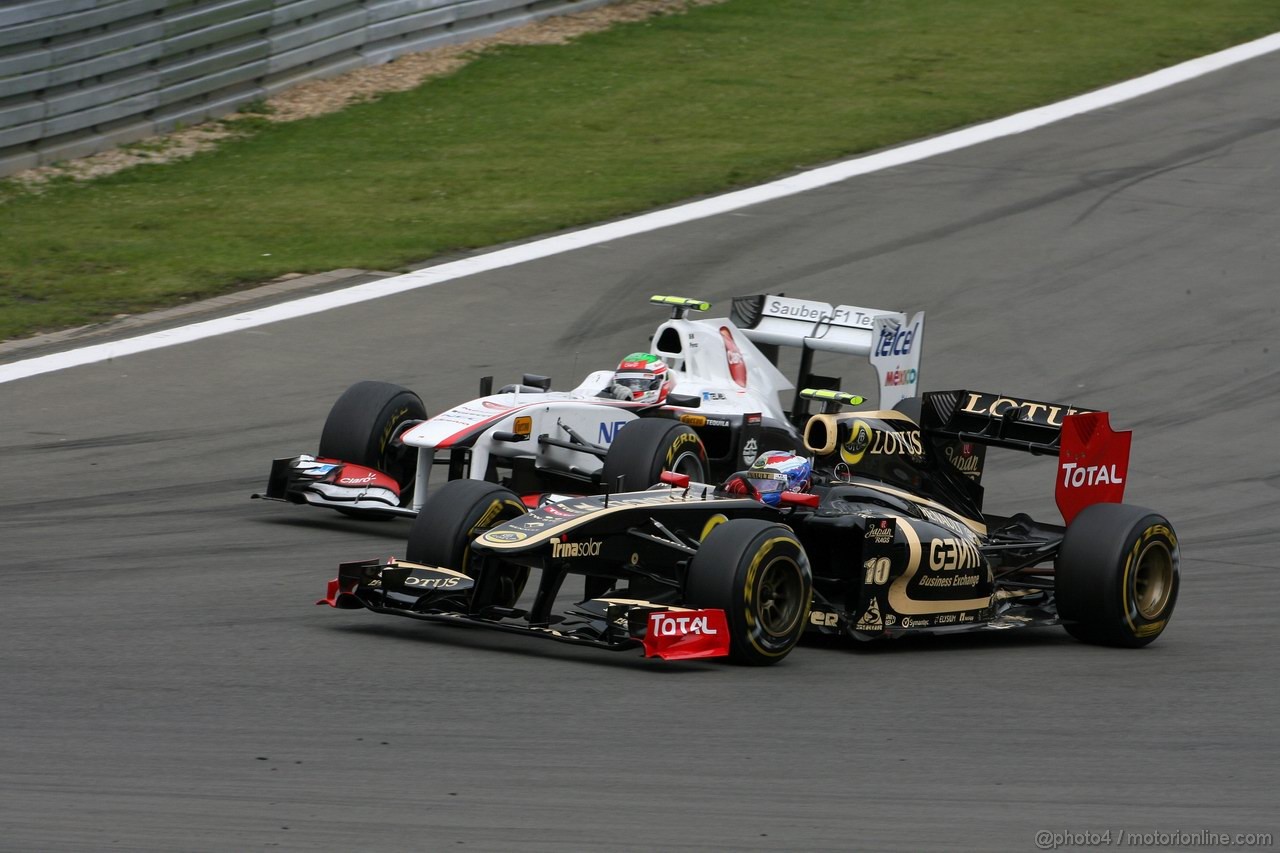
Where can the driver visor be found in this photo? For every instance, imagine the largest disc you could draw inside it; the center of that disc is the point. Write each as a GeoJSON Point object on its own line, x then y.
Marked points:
{"type": "Point", "coordinates": [638, 381]}
{"type": "Point", "coordinates": [767, 482]}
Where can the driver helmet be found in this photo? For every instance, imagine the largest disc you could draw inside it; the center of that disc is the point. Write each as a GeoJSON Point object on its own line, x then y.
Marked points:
{"type": "Point", "coordinates": [778, 471]}
{"type": "Point", "coordinates": [646, 376]}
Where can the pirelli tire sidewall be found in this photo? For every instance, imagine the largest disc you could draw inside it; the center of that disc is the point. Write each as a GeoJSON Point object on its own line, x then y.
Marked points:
{"type": "Point", "coordinates": [450, 520]}
{"type": "Point", "coordinates": [758, 573]}
{"type": "Point", "coordinates": [362, 424]}
{"type": "Point", "coordinates": [1117, 575]}
{"type": "Point", "coordinates": [646, 447]}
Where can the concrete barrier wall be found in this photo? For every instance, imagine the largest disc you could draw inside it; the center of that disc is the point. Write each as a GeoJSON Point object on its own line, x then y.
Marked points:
{"type": "Point", "coordinates": [81, 76]}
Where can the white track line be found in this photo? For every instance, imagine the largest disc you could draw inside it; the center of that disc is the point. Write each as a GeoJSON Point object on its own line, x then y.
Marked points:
{"type": "Point", "coordinates": [792, 185]}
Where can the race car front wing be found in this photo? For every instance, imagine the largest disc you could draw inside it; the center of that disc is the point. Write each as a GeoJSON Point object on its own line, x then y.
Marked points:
{"type": "Point", "coordinates": [335, 484]}
{"type": "Point", "coordinates": [418, 591]}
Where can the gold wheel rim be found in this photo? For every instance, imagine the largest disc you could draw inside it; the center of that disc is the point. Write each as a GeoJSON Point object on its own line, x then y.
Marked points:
{"type": "Point", "coordinates": [1153, 580]}
{"type": "Point", "coordinates": [780, 597]}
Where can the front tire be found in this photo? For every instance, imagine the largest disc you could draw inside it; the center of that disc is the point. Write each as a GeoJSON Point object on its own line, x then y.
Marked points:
{"type": "Point", "coordinates": [646, 447]}
{"type": "Point", "coordinates": [452, 517]}
{"type": "Point", "coordinates": [361, 425]}
{"type": "Point", "coordinates": [757, 572]}
{"type": "Point", "coordinates": [1117, 575]}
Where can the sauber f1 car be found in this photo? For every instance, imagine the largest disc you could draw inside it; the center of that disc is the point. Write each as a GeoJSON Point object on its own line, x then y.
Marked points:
{"type": "Point", "coordinates": [890, 540]}
{"type": "Point", "coordinates": [720, 407]}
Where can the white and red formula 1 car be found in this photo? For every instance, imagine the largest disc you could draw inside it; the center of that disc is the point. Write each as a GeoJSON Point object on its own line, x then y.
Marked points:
{"type": "Point", "coordinates": [725, 404]}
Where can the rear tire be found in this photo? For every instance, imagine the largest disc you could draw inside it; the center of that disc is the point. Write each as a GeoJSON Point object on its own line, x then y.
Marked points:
{"type": "Point", "coordinates": [361, 424]}
{"type": "Point", "coordinates": [757, 572]}
{"type": "Point", "coordinates": [646, 447]}
{"type": "Point", "coordinates": [452, 517]}
{"type": "Point", "coordinates": [1117, 575]}
{"type": "Point", "coordinates": [909, 406]}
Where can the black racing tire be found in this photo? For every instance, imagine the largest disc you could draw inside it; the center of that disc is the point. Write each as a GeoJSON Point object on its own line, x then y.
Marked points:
{"type": "Point", "coordinates": [909, 406]}
{"type": "Point", "coordinates": [450, 519]}
{"type": "Point", "coordinates": [1117, 575]}
{"type": "Point", "coordinates": [646, 447]}
{"type": "Point", "coordinates": [757, 572]}
{"type": "Point", "coordinates": [360, 426]}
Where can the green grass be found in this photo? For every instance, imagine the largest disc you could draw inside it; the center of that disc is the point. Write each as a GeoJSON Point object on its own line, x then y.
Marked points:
{"type": "Point", "coordinates": [532, 139]}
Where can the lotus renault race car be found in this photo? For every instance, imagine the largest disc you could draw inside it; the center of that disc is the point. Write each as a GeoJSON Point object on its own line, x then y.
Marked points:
{"type": "Point", "coordinates": [889, 540]}
{"type": "Point", "coordinates": [718, 406]}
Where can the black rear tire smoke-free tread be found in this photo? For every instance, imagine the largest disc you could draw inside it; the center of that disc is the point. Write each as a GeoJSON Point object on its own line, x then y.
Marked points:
{"type": "Point", "coordinates": [1117, 575]}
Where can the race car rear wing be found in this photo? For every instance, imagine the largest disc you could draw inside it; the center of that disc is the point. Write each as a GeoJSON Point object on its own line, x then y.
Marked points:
{"type": "Point", "coordinates": [892, 341]}
{"type": "Point", "coordinates": [782, 321]}
{"type": "Point", "coordinates": [1093, 459]}
{"type": "Point", "coordinates": [995, 420]}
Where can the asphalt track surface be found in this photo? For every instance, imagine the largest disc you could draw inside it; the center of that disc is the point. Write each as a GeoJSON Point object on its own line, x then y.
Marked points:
{"type": "Point", "coordinates": [167, 684]}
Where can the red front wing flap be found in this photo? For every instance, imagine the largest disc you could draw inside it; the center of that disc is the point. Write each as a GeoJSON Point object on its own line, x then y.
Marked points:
{"type": "Point", "coordinates": [687, 634]}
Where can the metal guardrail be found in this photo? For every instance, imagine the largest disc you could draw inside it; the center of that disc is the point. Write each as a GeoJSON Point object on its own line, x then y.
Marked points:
{"type": "Point", "coordinates": [82, 76]}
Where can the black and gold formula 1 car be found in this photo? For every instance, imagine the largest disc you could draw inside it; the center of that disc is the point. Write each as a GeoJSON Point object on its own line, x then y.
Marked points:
{"type": "Point", "coordinates": [891, 540]}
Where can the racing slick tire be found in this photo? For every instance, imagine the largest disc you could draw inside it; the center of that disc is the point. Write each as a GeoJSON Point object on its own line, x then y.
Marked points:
{"type": "Point", "coordinates": [1117, 575]}
{"type": "Point", "coordinates": [757, 572]}
{"type": "Point", "coordinates": [453, 516]}
{"type": "Point", "coordinates": [911, 407]}
{"type": "Point", "coordinates": [646, 447]}
{"type": "Point", "coordinates": [360, 426]}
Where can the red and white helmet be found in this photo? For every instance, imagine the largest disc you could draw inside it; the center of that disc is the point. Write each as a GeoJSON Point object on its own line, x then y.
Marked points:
{"type": "Point", "coordinates": [646, 376]}
{"type": "Point", "coordinates": [773, 472]}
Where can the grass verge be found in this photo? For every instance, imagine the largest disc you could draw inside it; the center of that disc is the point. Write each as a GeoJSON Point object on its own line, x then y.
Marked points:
{"type": "Point", "coordinates": [532, 139]}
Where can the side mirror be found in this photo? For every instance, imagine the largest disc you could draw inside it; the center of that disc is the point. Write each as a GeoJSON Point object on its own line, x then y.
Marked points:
{"type": "Point", "coordinates": [536, 381]}
{"type": "Point", "coordinates": [671, 478]}
{"type": "Point", "coordinates": [799, 499]}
